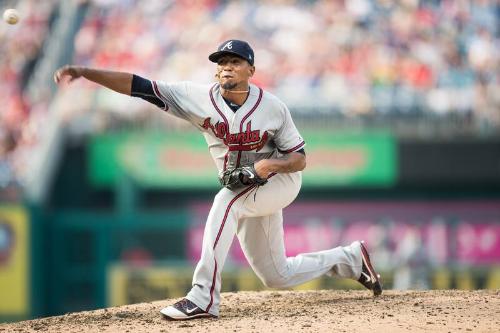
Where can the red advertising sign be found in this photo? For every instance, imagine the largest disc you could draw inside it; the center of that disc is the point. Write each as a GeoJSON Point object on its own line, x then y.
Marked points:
{"type": "Point", "coordinates": [478, 243]}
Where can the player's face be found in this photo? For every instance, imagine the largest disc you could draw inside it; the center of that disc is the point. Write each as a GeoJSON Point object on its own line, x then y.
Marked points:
{"type": "Point", "coordinates": [233, 72]}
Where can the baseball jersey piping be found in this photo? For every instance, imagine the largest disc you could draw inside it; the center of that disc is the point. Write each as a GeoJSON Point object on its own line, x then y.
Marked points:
{"type": "Point", "coordinates": [216, 107]}
{"type": "Point", "coordinates": [221, 114]}
{"type": "Point", "coordinates": [213, 287]}
{"type": "Point", "coordinates": [217, 240]}
{"type": "Point", "coordinates": [245, 118]}
{"type": "Point", "coordinates": [252, 110]}
{"type": "Point", "coordinates": [294, 148]}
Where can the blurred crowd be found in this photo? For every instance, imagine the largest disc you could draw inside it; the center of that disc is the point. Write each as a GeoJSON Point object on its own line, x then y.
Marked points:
{"type": "Point", "coordinates": [350, 57]}
{"type": "Point", "coordinates": [20, 47]}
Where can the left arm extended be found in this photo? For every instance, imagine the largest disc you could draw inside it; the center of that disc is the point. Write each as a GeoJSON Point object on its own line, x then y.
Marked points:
{"type": "Point", "coordinates": [291, 162]}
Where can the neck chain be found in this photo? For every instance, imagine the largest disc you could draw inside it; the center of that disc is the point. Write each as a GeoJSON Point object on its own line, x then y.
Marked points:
{"type": "Point", "coordinates": [236, 91]}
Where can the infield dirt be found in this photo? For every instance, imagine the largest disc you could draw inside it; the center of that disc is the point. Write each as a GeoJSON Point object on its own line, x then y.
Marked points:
{"type": "Point", "coordinates": [296, 311]}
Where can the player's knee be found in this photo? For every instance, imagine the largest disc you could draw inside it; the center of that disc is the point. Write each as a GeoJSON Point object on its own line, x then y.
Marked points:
{"type": "Point", "coordinates": [274, 281]}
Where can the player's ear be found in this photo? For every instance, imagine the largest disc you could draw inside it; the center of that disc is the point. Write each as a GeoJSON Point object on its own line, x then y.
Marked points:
{"type": "Point", "coordinates": [251, 70]}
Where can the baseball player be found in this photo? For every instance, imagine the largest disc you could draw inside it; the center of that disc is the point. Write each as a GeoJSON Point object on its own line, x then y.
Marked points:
{"type": "Point", "coordinates": [259, 154]}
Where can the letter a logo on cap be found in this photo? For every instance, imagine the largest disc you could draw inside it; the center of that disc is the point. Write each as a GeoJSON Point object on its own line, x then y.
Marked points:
{"type": "Point", "coordinates": [228, 45]}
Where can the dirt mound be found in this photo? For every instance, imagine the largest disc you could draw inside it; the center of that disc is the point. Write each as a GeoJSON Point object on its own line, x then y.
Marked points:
{"type": "Point", "coordinates": [293, 311]}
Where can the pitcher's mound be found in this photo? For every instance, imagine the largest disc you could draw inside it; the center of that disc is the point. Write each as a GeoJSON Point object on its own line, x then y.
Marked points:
{"type": "Point", "coordinates": [296, 311]}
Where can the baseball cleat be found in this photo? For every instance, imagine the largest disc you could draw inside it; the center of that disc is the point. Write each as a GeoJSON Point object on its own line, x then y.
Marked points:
{"type": "Point", "coordinates": [184, 310]}
{"type": "Point", "coordinates": [369, 278]}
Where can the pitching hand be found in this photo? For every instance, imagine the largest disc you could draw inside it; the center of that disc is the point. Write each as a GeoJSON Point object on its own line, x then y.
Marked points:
{"type": "Point", "coordinates": [73, 72]}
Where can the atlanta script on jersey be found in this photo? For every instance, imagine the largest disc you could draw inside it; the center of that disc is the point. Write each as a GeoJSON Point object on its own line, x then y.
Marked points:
{"type": "Point", "coordinates": [261, 128]}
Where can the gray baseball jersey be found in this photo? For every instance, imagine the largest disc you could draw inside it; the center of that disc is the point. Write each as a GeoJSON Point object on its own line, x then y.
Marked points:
{"type": "Point", "coordinates": [261, 128]}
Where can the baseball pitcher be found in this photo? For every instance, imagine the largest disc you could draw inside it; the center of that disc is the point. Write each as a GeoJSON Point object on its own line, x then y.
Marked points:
{"type": "Point", "coordinates": [259, 154]}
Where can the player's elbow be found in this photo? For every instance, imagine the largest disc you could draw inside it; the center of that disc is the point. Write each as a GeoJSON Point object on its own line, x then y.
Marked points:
{"type": "Point", "coordinates": [301, 163]}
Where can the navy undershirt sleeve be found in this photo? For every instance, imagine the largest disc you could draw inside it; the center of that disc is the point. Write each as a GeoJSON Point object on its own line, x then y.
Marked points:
{"type": "Point", "coordinates": [302, 151]}
{"type": "Point", "coordinates": [143, 88]}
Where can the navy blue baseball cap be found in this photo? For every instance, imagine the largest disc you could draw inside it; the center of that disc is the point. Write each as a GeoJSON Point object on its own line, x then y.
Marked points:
{"type": "Point", "coordinates": [233, 47]}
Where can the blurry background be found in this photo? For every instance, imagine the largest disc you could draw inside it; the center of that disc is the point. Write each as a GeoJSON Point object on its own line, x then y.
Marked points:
{"type": "Point", "coordinates": [103, 197]}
